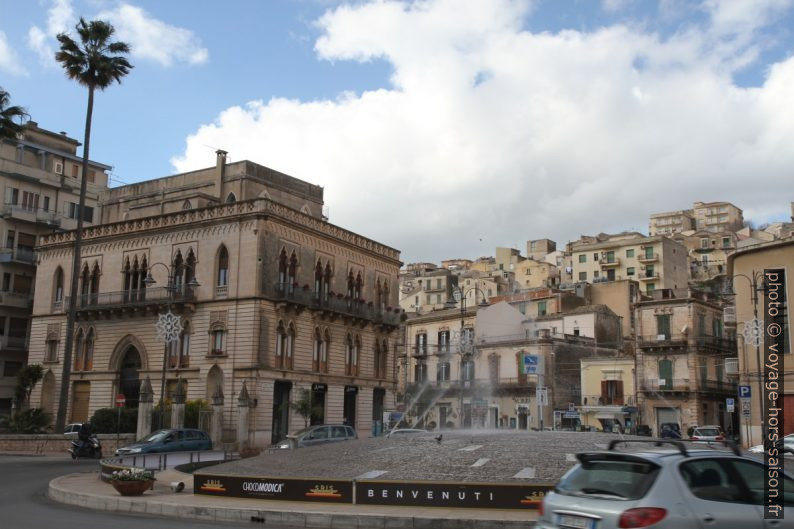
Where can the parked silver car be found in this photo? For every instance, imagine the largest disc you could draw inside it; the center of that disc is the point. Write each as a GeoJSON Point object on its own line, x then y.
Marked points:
{"type": "Point", "coordinates": [320, 434]}
{"type": "Point", "coordinates": [662, 489]}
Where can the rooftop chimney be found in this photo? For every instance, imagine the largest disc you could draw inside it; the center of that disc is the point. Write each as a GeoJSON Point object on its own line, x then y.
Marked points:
{"type": "Point", "coordinates": [220, 169]}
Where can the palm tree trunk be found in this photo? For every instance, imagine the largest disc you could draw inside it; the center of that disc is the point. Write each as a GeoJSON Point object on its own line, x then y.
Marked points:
{"type": "Point", "coordinates": [63, 403]}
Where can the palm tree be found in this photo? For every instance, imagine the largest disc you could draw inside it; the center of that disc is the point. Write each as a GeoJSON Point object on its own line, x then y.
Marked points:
{"type": "Point", "coordinates": [12, 119]}
{"type": "Point", "coordinates": [94, 62]}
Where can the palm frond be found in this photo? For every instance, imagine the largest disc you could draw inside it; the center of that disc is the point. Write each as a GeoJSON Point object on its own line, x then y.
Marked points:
{"type": "Point", "coordinates": [95, 61]}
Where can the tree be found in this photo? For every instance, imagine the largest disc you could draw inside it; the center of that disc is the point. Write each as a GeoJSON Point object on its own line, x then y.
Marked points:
{"type": "Point", "coordinates": [12, 118]}
{"type": "Point", "coordinates": [95, 62]}
{"type": "Point", "coordinates": [27, 378]}
{"type": "Point", "coordinates": [303, 407]}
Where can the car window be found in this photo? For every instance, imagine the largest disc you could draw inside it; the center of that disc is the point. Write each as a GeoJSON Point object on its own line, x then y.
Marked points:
{"type": "Point", "coordinates": [180, 435]}
{"type": "Point", "coordinates": [339, 432]}
{"type": "Point", "coordinates": [711, 432]}
{"type": "Point", "coordinates": [713, 480]}
{"type": "Point", "coordinates": [623, 479]}
{"type": "Point", "coordinates": [320, 433]}
{"type": "Point", "coordinates": [753, 475]}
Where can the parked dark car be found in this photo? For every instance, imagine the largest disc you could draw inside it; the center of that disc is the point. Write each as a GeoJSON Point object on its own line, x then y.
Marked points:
{"type": "Point", "coordinates": [169, 440]}
{"type": "Point", "coordinates": [644, 429]}
{"type": "Point", "coordinates": [669, 430]}
{"type": "Point", "coordinates": [317, 435]}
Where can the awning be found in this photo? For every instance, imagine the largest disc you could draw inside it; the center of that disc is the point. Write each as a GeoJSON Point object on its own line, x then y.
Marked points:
{"type": "Point", "coordinates": [604, 415]}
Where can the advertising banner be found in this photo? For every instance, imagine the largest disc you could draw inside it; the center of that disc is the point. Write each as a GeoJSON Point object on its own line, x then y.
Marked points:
{"type": "Point", "coordinates": [322, 490]}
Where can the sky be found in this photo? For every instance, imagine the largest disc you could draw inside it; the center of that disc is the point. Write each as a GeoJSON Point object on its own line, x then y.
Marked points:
{"type": "Point", "coordinates": [442, 128]}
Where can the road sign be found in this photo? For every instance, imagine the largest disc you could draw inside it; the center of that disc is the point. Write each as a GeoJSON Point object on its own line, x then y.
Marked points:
{"type": "Point", "coordinates": [729, 405]}
{"type": "Point", "coordinates": [120, 400]}
{"type": "Point", "coordinates": [746, 408]}
{"type": "Point", "coordinates": [542, 396]}
{"type": "Point", "coordinates": [744, 392]}
{"type": "Point", "coordinates": [531, 364]}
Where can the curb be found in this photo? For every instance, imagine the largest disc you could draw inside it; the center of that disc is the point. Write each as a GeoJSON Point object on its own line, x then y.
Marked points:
{"type": "Point", "coordinates": [281, 518]}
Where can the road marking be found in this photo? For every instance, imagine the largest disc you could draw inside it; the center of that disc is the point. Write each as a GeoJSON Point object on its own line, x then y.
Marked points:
{"type": "Point", "coordinates": [470, 448]}
{"type": "Point", "coordinates": [571, 458]}
{"type": "Point", "coordinates": [372, 474]}
{"type": "Point", "coordinates": [480, 462]}
{"type": "Point", "coordinates": [526, 473]}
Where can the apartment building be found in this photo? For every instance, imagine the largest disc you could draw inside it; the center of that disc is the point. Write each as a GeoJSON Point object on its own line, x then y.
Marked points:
{"type": "Point", "coordinates": [530, 273]}
{"type": "Point", "coordinates": [684, 356]}
{"type": "Point", "coordinates": [655, 262]}
{"type": "Point", "coordinates": [425, 288]}
{"type": "Point", "coordinates": [704, 216]}
{"type": "Point", "coordinates": [608, 399]}
{"type": "Point", "coordinates": [538, 249]}
{"type": "Point", "coordinates": [708, 252]}
{"type": "Point", "coordinates": [40, 175]}
{"type": "Point", "coordinates": [272, 298]}
{"type": "Point", "coordinates": [542, 301]}
{"type": "Point", "coordinates": [743, 265]}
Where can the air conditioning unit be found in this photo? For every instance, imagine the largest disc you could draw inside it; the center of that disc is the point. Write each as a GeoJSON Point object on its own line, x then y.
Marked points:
{"type": "Point", "coordinates": [58, 168]}
{"type": "Point", "coordinates": [660, 337]}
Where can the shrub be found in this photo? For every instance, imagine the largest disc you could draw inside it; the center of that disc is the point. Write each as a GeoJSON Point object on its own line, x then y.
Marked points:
{"type": "Point", "coordinates": [192, 410]}
{"type": "Point", "coordinates": [105, 420]}
{"type": "Point", "coordinates": [33, 420]}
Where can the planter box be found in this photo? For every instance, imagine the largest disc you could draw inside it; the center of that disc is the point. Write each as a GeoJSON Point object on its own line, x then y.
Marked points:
{"type": "Point", "coordinates": [132, 488]}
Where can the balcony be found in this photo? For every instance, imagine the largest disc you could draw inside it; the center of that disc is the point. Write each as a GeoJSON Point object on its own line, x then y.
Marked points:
{"type": "Point", "coordinates": [16, 299]}
{"type": "Point", "coordinates": [662, 341]}
{"type": "Point", "coordinates": [609, 263]}
{"type": "Point", "coordinates": [132, 300]}
{"type": "Point", "coordinates": [333, 304]}
{"type": "Point", "coordinates": [717, 386]}
{"type": "Point", "coordinates": [648, 276]}
{"type": "Point", "coordinates": [18, 255]}
{"type": "Point", "coordinates": [645, 258]}
{"type": "Point", "coordinates": [17, 343]}
{"type": "Point", "coordinates": [732, 367]}
{"type": "Point", "coordinates": [607, 400]}
{"type": "Point", "coordinates": [670, 385]}
{"type": "Point", "coordinates": [717, 344]}
{"type": "Point", "coordinates": [47, 218]}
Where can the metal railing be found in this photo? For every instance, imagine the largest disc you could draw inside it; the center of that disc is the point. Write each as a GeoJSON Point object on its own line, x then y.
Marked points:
{"type": "Point", "coordinates": [50, 218]}
{"type": "Point", "coordinates": [20, 255]}
{"type": "Point", "coordinates": [652, 385]}
{"type": "Point", "coordinates": [156, 295]}
{"type": "Point", "coordinates": [606, 400]}
{"type": "Point", "coordinates": [334, 303]}
{"type": "Point", "coordinates": [16, 299]}
{"type": "Point", "coordinates": [717, 342]}
{"type": "Point", "coordinates": [732, 366]}
{"type": "Point", "coordinates": [662, 340]}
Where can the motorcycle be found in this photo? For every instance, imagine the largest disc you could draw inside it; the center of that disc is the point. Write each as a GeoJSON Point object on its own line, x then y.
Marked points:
{"type": "Point", "coordinates": [91, 448]}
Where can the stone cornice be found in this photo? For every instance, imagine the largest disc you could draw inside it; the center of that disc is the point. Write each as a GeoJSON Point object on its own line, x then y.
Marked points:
{"type": "Point", "coordinates": [187, 218]}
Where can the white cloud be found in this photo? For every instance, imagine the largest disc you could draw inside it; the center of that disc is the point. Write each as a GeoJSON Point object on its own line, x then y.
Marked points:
{"type": "Point", "coordinates": [491, 132]}
{"type": "Point", "coordinates": [60, 19]}
{"type": "Point", "coordinates": [9, 61]}
{"type": "Point", "coordinates": [153, 39]}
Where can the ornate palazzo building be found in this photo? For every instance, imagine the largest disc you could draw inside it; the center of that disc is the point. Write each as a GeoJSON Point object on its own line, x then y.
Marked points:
{"type": "Point", "coordinates": [270, 295]}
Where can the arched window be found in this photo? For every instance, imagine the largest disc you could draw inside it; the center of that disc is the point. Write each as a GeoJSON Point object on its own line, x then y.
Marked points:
{"type": "Point", "coordinates": [178, 267]}
{"type": "Point", "coordinates": [381, 355]}
{"type": "Point", "coordinates": [190, 271]}
{"type": "Point", "coordinates": [324, 351]}
{"type": "Point", "coordinates": [292, 272]}
{"type": "Point", "coordinates": [350, 288]}
{"type": "Point", "coordinates": [349, 355]}
{"type": "Point", "coordinates": [385, 295]}
{"type": "Point", "coordinates": [95, 284]}
{"type": "Point", "coordinates": [282, 271]}
{"type": "Point", "coordinates": [378, 296]}
{"type": "Point", "coordinates": [327, 281]}
{"type": "Point", "coordinates": [289, 347]}
{"type": "Point", "coordinates": [218, 339]}
{"type": "Point", "coordinates": [85, 285]}
{"type": "Point", "coordinates": [222, 278]}
{"type": "Point", "coordinates": [317, 350]}
{"type": "Point", "coordinates": [184, 349]}
{"type": "Point", "coordinates": [281, 344]}
{"type": "Point", "coordinates": [318, 280]}
{"type": "Point", "coordinates": [78, 350]}
{"type": "Point", "coordinates": [142, 273]}
{"type": "Point", "coordinates": [357, 291]}
{"type": "Point", "coordinates": [88, 355]}
{"type": "Point", "coordinates": [231, 198]}
{"type": "Point", "coordinates": [57, 295]}
{"type": "Point", "coordinates": [127, 271]}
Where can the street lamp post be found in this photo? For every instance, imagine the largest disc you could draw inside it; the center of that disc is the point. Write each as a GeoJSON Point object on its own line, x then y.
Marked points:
{"type": "Point", "coordinates": [169, 325]}
{"type": "Point", "coordinates": [466, 348]}
{"type": "Point", "coordinates": [754, 290]}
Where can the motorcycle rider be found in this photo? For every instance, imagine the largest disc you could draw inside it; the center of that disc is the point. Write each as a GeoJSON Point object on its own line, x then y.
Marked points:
{"type": "Point", "coordinates": [84, 434]}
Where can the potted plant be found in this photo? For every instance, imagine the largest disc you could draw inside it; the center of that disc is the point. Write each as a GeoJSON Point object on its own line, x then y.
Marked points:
{"type": "Point", "coordinates": [132, 481]}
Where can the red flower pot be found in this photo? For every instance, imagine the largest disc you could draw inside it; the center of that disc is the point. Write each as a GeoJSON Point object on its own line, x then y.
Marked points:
{"type": "Point", "coordinates": [132, 488]}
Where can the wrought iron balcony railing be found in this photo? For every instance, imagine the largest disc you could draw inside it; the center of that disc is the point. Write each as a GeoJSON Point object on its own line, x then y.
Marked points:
{"type": "Point", "coordinates": [344, 305]}
{"type": "Point", "coordinates": [130, 298]}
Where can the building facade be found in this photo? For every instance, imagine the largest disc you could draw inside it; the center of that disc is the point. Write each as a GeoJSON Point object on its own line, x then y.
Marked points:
{"type": "Point", "coordinates": [40, 175]}
{"type": "Point", "coordinates": [683, 356]}
{"type": "Point", "coordinates": [742, 266]}
{"type": "Point", "coordinates": [269, 293]}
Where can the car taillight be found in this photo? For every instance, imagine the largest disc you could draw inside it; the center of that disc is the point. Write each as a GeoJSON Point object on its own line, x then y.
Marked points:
{"type": "Point", "coordinates": [719, 438]}
{"type": "Point", "coordinates": [695, 438]}
{"type": "Point", "coordinates": [641, 517]}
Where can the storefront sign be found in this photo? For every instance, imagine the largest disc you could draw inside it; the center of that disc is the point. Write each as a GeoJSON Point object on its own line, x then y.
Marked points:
{"type": "Point", "coordinates": [428, 494]}
{"type": "Point", "coordinates": [332, 491]}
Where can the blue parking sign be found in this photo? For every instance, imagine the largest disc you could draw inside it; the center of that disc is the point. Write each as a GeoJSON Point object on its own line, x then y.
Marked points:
{"type": "Point", "coordinates": [530, 364]}
{"type": "Point", "coordinates": [744, 392]}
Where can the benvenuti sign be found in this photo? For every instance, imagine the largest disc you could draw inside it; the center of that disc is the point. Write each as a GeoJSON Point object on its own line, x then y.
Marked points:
{"type": "Point", "coordinates": [402, 493]}
{"type": "Point", "coordinates": [440, 494]}
{"type": "Point", "coordinates": [322, 490]}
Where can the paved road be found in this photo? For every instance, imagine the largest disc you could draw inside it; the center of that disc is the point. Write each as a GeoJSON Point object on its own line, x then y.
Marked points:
{"type": "Point", "coordinates": [24, 503]}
